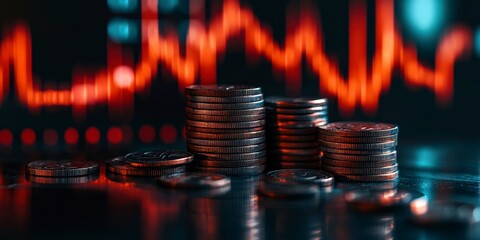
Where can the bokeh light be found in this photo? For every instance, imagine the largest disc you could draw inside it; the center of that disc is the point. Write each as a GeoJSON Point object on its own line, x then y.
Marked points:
{"type": "Point", "coordinates": [28, 136]}
{"type": "Point", "coordinates": [122, 30]}
{"type": "Point", "coordinates": [123, 76]}
{"type": "Point", "coordinates": [71, 136]}
{"type": "Point", "coordinates": [122, 6]}
{"type": "Point", "coordinates": [168, 134]}
{"type": "Point", "coordinates": [424, 17]}
{"type": "Point", "coordinates": [92, 135]}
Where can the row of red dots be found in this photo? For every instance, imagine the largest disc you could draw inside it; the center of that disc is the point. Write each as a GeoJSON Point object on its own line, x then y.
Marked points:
{"type": "Point", "coordinates": [114, 135]}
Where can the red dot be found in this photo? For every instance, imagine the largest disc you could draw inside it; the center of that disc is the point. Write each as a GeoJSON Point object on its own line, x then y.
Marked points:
{"type": "Point", "coordinates": [92, 135]}
{"type": "Point", "coordinates": [168, 133]}
{"type": "Point", "coordinates": [146, 133]}
{"type": "Point", "coordinates": [6, 137]}
{"type": "Point", "coordinates": [28, 136]}
{"type": "Point", "coordinates": [50, 137]}
{"type": "Point", "coordinates": [71, 136]}
{"type": "Point", "coordinates": [115, 135]}
{"type": "Point", "coordinates": [127, 134]}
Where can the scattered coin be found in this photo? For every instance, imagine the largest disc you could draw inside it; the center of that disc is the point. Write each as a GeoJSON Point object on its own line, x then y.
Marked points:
{"type": "Point", "coordinates": [368, 178]}
{"type": "Point", "coordinates": [158, 158]}
{"type": "Point", "coordinates": [62, 168]}
{"type": "Point", "coordinates": [194, 180]}
{"type": "Point", "coordinates": [305, 176]}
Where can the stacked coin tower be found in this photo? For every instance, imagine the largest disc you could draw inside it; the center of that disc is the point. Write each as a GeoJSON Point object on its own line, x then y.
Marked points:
{"type": "Point", "coordinates": [360, 151]}
{"type": "Point", "coordinates": [292, 131]}
{"type": "Point", "coordinates": [225, 128]}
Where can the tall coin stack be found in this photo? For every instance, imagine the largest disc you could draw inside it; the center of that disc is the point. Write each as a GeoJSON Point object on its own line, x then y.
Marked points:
{"type": "Point", "coordinates": [360, 151]}
{"type": "Point", "coordinates": [225, 128]}
{"type": "Point", "coordinates": [292, 131]}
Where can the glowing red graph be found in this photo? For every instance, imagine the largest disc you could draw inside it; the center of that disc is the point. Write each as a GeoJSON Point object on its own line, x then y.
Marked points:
{"type": "Point", "coordinates": [116, 84]}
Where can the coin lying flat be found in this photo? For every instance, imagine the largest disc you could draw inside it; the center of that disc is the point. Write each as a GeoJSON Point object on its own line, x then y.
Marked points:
{"type": "Point", "coordinates": [62, 180]}
{"type": "Point", "coordinates": [357, 152]}
{"type": "Point", "coordinates": [231, 157]}
{"type": "Point", "coordinates": [359, 146]}
{"type": "Point", "coordinates": [238, 99]}
{"type": "Point", "coordinates": [362, 158]}
{"type": "Point", "coordinates": [275, 190]}
{"type": "Point", "coordinates": [158, 158]}
{"type": "Point", "coordinates": [239, 171]}
{"type": "Point", "coordinates": [330, 138]}
{"type": "Point", "coordinates": [226, 143]}
{"type": "Point", "coordinates": [358, 129]}
{"type": "Point", "coordinates": [305, 176]}
{"type": "Point", "coordinates": [360, 171]}
{"type": "Point", "coordinates": [222, 90]}
{"type": "Point", "coordinates": [229, 164]}
{"type": "Point", "coordinates": [358, 164]}
{"type": "Point", "coordinates": [301, 102]}
{"type": "Point", "coordinates": [369, 178]}
{"type": "Point", "coordinates": [63, 168]}
{"type": "Point", "coordinates": [371, 201]}
{"type": "Point", "coordinates": [120, 166]}
{"type": "Point", "coordinates": [233, 118]}
{"type": "Point", "coordinates": [225, 106]}
{"type": "Point", "coordinates": [194, 180]}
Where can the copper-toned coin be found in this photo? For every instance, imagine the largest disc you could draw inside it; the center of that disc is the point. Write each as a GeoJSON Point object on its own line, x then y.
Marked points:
{"type": "Point", "coordinates": [234, 125]}
{"type": "Point", "coordinates": [330, 138]}
{"type": "Point", "coordinates": [225, 136]}
{"type": "Point", "coordinates": [207, 149]}
{"type": "Point", "coordinates": [362, 158]}
{"type": "Point", "coordinates": [358, 129]}
{"type": "Point", "coordinates": [238, 99]}
{"type": "Point", "coordinates": [230, 157]}
{"type": "Point", "coordinates": [120, 166]}
{"type": "Point", "coordinates": [222, 90]}
{"type": "Point", "coordinates": [229, 164]}
{"type": "Point", "coordinates": [359, 146]}
{"type": "Point", "coordinates": [221, 119]}
{"type": "Point", "coordinates": [225, 106]}
{"type": "Point", "coordinates": [369, 178]}
{"type": "Point", "coordinates": [301, 102]}
{"type": "Point", "coordinates": [226, 143]}
{"type": "Point", "coordinates": [158, 158]}
{"type": "Point", "coordinates": [358, 164]}
{"type": "Point", "coordinates": [360, 171]}
{"type": "Point", "coordinates": [62, 168]}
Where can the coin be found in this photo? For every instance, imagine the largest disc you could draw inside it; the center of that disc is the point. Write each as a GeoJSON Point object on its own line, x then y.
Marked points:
{"type": "Point", "coordinates": [369, 178]}
{"type": "Point", "coordinates": [360, 171]}
{"type": "Point", "coordinates": [294, 111]}
{"type": "Point", "coordinates": [297, 190]}
{"type": "Point", "coordinates": [357, 152]}
{"type": "Point", "coordinates": [298, 164]}
{"type": "Point", "coordinates": [194, 180]}
{"type": "Point", "coordinates": [230, 164]}
{"type": "Point", "coordinates": [234, 118]}
{"type": "Point", "coordinates": [302, 117]}
{"type": "Point", "coordinates": [208, 149]}
{"type": "Point", "coordinates": [222, 90]}
{"type": "Point", "coordinates": [239, 99]}
{"type": "Point", "coordinates": [359, 146]}
{"type": "Point", "coordinates": [226, 136]}
{"type": "Point", "coordinates": [253, 111]}
{"type": "Point", "coordinates": [292, 131]}
{"type": "Point", "coordinates": [230, 157]}
{"type": "Point", "coordinates": [358, 129]}
{"type": "Point", "coordinates": [292, 145]}
{"type": "Point", "coordinates": [120, 166]}
{"type": "Point", "coordinates": [235, 125]}
{"type": "Point", "coordinates": [158, 158]}
{"type": "Point", "coordinates": [372, 201]}
{"type": "Point", "coordinates": [293, 138]}
{"type": "Point", "coordinates": [62, 168]}
{"type": "Point", "coordinates": [298, 124]}
{"type": "Point", "coordinates": [220, 143]}
{"type": "Point", "coordinates": [301, 152]}
{"type": "Point", "coordinates": [358, 164]}
{"type": "Point", "coordinates": [357, 139]}
{"type": "Point", "coordinates": [301, 102]}
{"type": "Point", "coordinates": [238, 171]}
{"type": "Point", "coordinates": [225, 106]}
{"type": "Point", "coordinates": [62, 180]}
{"type": "Point", "coordinates": [293, 158]}
{"type": "Point", "coordinates": [361, 158]}
{"type": "Point", "coordinates": [223, 130]}
{"type": "Point", "coordinates": [305, 176]}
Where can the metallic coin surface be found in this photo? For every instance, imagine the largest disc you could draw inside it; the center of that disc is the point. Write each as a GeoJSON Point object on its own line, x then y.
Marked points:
{"type": "Point", "coordinates": [62, 168]}
{"type": "Point", "coordinates": [302, 117]}
{"type": "Point", "coordinates": [361, 158]}
{"type": "Point", "coordinates": [368, 178]}
{"type": "Point", "coordinates": [296, 152]}
{"type": "Point", "coordinates": [158, 158]}
{"type": "Point", "coordinates": [229, 164]}
{"type": "Point", "coordinates": [225, 106]}
{"type": "Point", "coordinates": [360, 171]}
{"type": "Point", "coordinates": [336, 139]}
{"type": "Point", "coordinates": [230, 157]}
{"type": "Point", "coordinates": [275, 190]}
{"type": "Point", "coordinates": [120, 166]}
{"type": "Point", "coordinates": [194, 180]}
{"type": "Point", "coordinates": [234, 125]}
{"type": "Point", "coordinates": [292, 145]}
{"type": "Point", "coordinates": [238, 171]}
{"type": "Point", "coordinates": [62, 180]}
{"type": "Point", "coordinates": [358, 129]}
{"type": "Point", "coordinates": [222, 90]}
{"type": "Point", "coordinates": [225, 136]}
{"type": "Point", "coordinates": [359, 146]}
{"type": "Point", "coordinates": [297, 124]}
{"type": "Point", "coordinates": [357, 152]}
{"type": "Point", "coordinates": [226, 143]}
{"type": "Point", "coordinates": [294, 111]}
{"type": "Point", "coordinates": [306, 176]}
{"type": "Point", "coordinates": [239, 99]}
{"type": "Point", "coordinates": [293, 158]}
{"type": "Point", "coordinates": [372, 200]}
{"type": "Point", "coordinates": [301, 102]}
{"type": "Point", "coordinates": [358, 164]}
{"type": "Point", "coordinates": [233, 118]}
{"type": "Point", "coordinates": [253, 111]}
{"type": "Point", "coordinates": [208, 149]}
{"type": "Point", "coordinates": [223, 130]}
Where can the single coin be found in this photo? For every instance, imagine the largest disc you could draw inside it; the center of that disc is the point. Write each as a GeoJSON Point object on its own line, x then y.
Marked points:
{"type": "Point", "coordinates": [372, 201]}
{"type": "Point", "coordinates": [120, 166]}
{"type": "Point", "coordinates": [207, 149]}
{"type": "Point", "coordinates": [357, 152]}
{"type": "Point", "coordinates": [225, 106]}
{"type": "Point", "coordinates": [358, 129]}
{"type": "Point", "coordinates": [305, 176]}
{"type": "Point", "coordinates": [233, 118]}
{"type": "Point", "coordinates": [292, 145]}
{"type": "Point", "coordinates": [292, 190]}
{"type": "Point", "coordinates": [230, 164]}
{"type": "Point", "coordinates": [158, 158]}
{"type": "Point", "coordinates": [447, 214]}
{"type": "Point", "coordinates": [301, 152]}
{"type": "Point", "coordinates": [298, 118]}
{"type": "Point", "coordinates": [292, 138]}
{"type": "Point", "coordinates": [194, 180]}
{"type": "Point", "coordinates": [239, 99]}
{"type": "Point", "coordinates": [225, 143]}
{"type": "Point", "coordinates": [253, 111]}
{"type": "Point", "coordinates": [336, 139]}
{"type": "Point", "coordinates": [235, 125]}
{"type": "Point", "coordinates": [360, 171]}
{"type": "Point", "coordinates": [309, 110]}
{"type": "Point", "coordinates": [358, 164]}
{"type": "Point", "coordinates": [359, 146]}
{"type": "Point", "coordinates": [295, 165]}
{"type": "Point", "coordinates": [293, 158]}
{"type": "Point", "coordinates": [223, 130]}
{"type": "Point", "coordinates": [291, 131]}
{"type": "Point", "coordinates": [225, 136]}
{"type": "Point", "coordinates": [297, 124]}
{"type": "Point", "coordinates": [238, 171]}
{"type": "Point", "coordinates": [300, 102]}
{"type": "Point", "coordinates": [230, 157]}
{"type": "Point", "coordinates": [369, 178]}
{"type": "Point", "coordinates": [222, 90]}
{"type": "Point", "coordinates": [362, 158]}
{"type": "Point", "coordinates": [62, 180]}
{"type": "Point", "coordinates": [62, 168]}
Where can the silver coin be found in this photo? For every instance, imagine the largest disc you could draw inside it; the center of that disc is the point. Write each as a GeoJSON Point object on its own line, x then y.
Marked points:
{"type": "Point", "coordinates": [305, 176]}
{"type": "Point", "coordinates": [120, 166]}
{"type": "Point", "coordinates": [336, 139]}
{"type": "Point", "coordinates": [62, 168]}
{"type": "Point", "coordinates": [358, 129]}
{"type": "Point", "coordinates": [234, 125]}
{"type": "Point", "coordinates": [225, 136]}
{"type": "Point", "coordinates": [237, 171]}
{"type": "Point", "coordinates": [207, 149]}
{"type": "Point", "coordinates": [61, 180]}
{"type": "Point", "coordinates": [274, 190]}
{"type": "Point", "coordinates": [359, 146]}
{"type": "Point", "coordinates": [226, 143]}
{"type": "Point", "coordinates": [222, 90]}
{"type": "Point", "coordinates": [448, 214]}
{"type": "Point", "coordinates": [372, 201]}
{"type": "Point", "coordinates": [194, 180]}
{"type": "Point", "coordinates": [292, 145]}
{"type": "Point", "coordinates": [368, 178]}
{"type": "Point", "coordinates": [357, 152]}
{"type": "Point", "coordinates": [361, 158]}
{"type": "Point", "coordinates": [233, 118]}
{"type": "Point", "coordinates": [230, 157]}
{"type": "Point", "coordinates": [310, 110]}
{"type": "Point", "coordinates": [253, 111]}
{"type": "Point", "coordinates": [239, 99]}
{"type": "Point", "coordinates": [230, 164]}
{"type": "Point", "coordinates": [158, 158]}
{"type": "Point", "coordinates": [299, 118]}
{"type": "Point", "coordinates": [360, 171]}
{"type": "Point", "coordinates": [225, 106]}
{"type": "Point", "coordinates": [300, 102]}
{"type": "Point", "coordinates": [299, 152]}
{"type": "Point", "coordinates": [358, 164]}
{"type": "Point", "coordinates": [223, 130]}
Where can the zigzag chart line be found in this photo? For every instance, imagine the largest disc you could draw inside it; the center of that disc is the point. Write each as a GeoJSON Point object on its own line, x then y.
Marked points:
{"type": "Point", "coordinates": [362, 88]}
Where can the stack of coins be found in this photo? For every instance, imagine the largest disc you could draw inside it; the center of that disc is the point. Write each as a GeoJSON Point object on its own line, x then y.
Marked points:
{"type": "Point", "coordinates": [61, 172]}
{"type": "Point", "coordinates": [360, 151]}
{"type": "Point", "coordinates": [150, 163]}
{"type": "Point", "coordinates": [225, 129]}
{"type": "Point", "coordinates": [292, 131]}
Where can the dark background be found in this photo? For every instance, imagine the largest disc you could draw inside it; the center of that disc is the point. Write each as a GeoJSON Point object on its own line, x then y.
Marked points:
{"type": "Point", "coordinates": [67, 35]}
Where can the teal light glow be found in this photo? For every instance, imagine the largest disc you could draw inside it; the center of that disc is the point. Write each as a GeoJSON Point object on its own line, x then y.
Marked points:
{"type": "Point", "coordinates": [122, 30]}
{"type": "Point", "coordinates": [424, 16]}
{"type": "Point", "coordinates": [122, 6]}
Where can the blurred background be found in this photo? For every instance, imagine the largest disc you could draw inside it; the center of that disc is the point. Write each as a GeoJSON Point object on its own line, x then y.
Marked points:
{"type": "Point", "coordinates": [108, 74]}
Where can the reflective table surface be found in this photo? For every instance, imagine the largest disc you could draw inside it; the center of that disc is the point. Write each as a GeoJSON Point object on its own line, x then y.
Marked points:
{"type": "Point", "coordinates": [115, 207]}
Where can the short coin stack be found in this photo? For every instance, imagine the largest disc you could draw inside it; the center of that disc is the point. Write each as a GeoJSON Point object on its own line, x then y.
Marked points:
{"type": "Point", "coordinates": [360, 151]}
{"type": "Point", "coordinates": [292, 131]}
{"type": "Point", "coordinates": [150, 163]}
{"type": "Point", "coordinates": [61, 172]}
{"type": "Point", "coordinates": [225, 128]}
